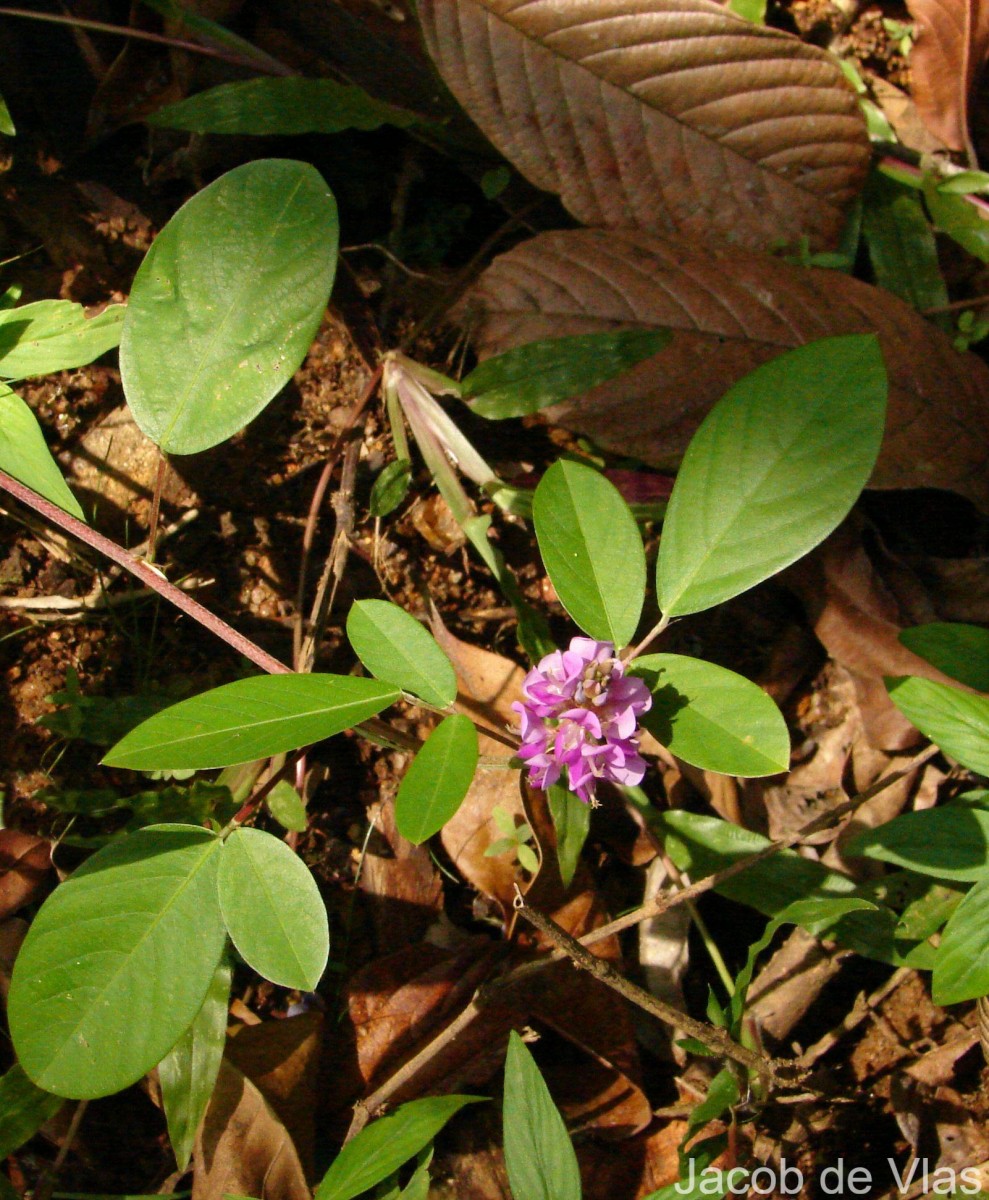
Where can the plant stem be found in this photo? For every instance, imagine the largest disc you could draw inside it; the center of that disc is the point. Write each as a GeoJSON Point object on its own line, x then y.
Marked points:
{"type": "Point", "coordinates": [143, 35]}
{"type": "Point", "coordinates": [156, 506]}
{"type": "Point", "coordinates": [148, 575]}
{"type": "Point", "coordinates": [631, 652]}
{"type": "Point", "coordinates": [716, 1040]}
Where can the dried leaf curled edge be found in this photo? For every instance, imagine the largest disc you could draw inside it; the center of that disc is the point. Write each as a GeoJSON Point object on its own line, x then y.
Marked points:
{"type": "Point", "coordinates": [951, 50]}
{"type": "Point", "coordinates": [667, 115]}
{"type": "Point", "coordinates": [730, 310]}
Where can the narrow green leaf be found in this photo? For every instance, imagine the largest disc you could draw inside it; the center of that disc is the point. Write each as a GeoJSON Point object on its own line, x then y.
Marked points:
{"type": "Point", "coordinates": [55, 335]}
{"type": "Point", "coordinates": [273, 910]}
{"type": "Point", "coordinates": [959, 650]}
{"type": "Point", "coordinates": [398, 650]}
{"type": "Point", "coordinates": [226, 303]}
{"type": "Point", "coordinates": [285, 106]}
{"type": "Point", "coordinates": [774, 467]}
{"type": "Point", "coordinates": [961, 970]}
{"type": "Point", "coordinates": [591, 549]}
{"type": "Point", "coordinates": [436, 783]}
{"type": "Point", "coordinates": [749, 10]}
{"type": "Point", "coordinates": [249, 719]}
{"type": "Point", "coordinates": [285, 805]}
{"type": "Point", "coordinates": [533, 377]}
{"type": "Point", "coordinates": [118, 962]}
{"type": "Point", "coordinates": [390, 488]}
{"type": "Point", "coordinates": [951, 842]}
{"type": "Point", "coordinates": [381, 1147]}
{"type": "Point", "coordinates": [539, 1157]}
{"type": "Point", "coordinates": [188, 1072]}
{"type": "Point", "coordinates": [572, 822]}
{"type": "Point", "coordinates": [901, 245]}
{"type": "Point", "coordinates": [712, 718]}
{"type": "Point", "coordinates": [722, 1093]}
{"type": "Point", "coordinates": [963, 220]}
{"type": "Point", "coordinates": [24, 1108]}
{"type": "Point", "coordinates": [703, 845]}
{"type": "Point", "coordinates": [815, 913]}
{"type": "Point", "coordinates": [25, 454]}
{"type": "Point", "coordinates": [956, 721]}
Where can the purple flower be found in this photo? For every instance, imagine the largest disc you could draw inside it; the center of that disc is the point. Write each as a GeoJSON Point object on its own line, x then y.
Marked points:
{"type": "Point", "coordinates": [580, 711]}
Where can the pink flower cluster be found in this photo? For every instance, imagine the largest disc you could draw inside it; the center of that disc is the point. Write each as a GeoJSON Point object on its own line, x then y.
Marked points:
{"type": "Point", "coordinates": [580, 711]}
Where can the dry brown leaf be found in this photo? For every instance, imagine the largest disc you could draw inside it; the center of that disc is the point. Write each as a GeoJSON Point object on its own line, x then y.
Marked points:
{"type": "Point", "coordinates": [281, 1059]}
{"type": "Point", "coordinates": [857, 620]}
{"type": "Point", "coordinates": [730, 310]}
{"type": "Point", "coordinates": [669, 115]}
{"type": "Point", "coordinates": [242, 1148]}
{"type": "Point", "coordinates": [951, 49]}
{"type": "Point", "coordinates": [25, 869]}
{"type": "Point", "coordinates": [403, 889]}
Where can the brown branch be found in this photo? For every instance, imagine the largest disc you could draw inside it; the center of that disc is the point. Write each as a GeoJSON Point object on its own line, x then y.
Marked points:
{"type": "Point", "coordinates": [715, 1039]}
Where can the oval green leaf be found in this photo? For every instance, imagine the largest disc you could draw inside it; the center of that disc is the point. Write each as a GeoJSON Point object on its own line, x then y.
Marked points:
{"type": "Point", "coordinates": [55, 335]}
{"type": "Point", "coordinates": [951, 842]}
{"type": "Point", "coordinates": [281, 107]}
{"type": "Point", "coordinates": [273, 910]}
{"type": "Point", "coordinates": [227, 302]}
{"type": "Point", "coordinates": [437, 781]}
{"type": "Point", "coordinates": [381, 1147]}
{"type": "Point", "coordinates": [250, 719]}
{"type": "Point", "coordinates": [956, 721]}
{"type": "Point", "coordinates": [961, 969]}
{"type": "Point", "coordinates": [533, 377]}
{"type": "Point", "coordinates": [398, 650]}
{"type": "Point", "coordinates": [539, 1156]}
{"type": "Point", "coordinates": [118, 962]}
{"type": "Point", "coordinates": [959, 650]}
{"type": "Point", "coordinates": [591, 549]}
{"type": "Point", "coordinates": [774, 468]}
{"type": "Point", "coordinates": [712, 718]}
{"type": "Point", "coordinates": [25, 454]}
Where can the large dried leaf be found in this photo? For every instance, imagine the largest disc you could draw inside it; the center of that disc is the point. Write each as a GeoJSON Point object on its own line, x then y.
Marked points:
{"type": "Point", "coordinates": [670, 115]}
{"type": "Point", "coordinates": [242, 1148]}
{"type": "Point", "coordinates": [730, 309]}
{"type": "Point", "coordinates": [25, 869]}
{"type": "Point", "coordinates": [951, 50]}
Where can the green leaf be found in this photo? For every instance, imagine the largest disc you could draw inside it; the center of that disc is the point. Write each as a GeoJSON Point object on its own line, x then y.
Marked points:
{"type": "Point", "coordinates": [901, 245]}
{"type": "Point", "coordinates": [273, 910]}
{"type": "Point", "coordinates": [533, 377]}
{"type": "Point", "coordinates": [749, 10]}
{"type": "Point", "coordinates": [24, 1108]}
{"type": "Point", "coordinates": [961, 970]}
{"type": "Point", "coordinates": [591, 549]}
{"type": "Point", "coordinates": [280, 107]}
{"type": "Point", "coordinates": [25, 454]}
{"type": "Point", "coordinates": [381, 1147]}
{"type": "Point", "coordinates": [397, 649]}
{"type": "Point", "coordinates": [722, 1093]}
{"type": "Point", "coordinates": [811, 914]}
{"type": "Point", "coordinates": [249, 719]}
{"type": "Point", "coordinates": [118, 962]}
{"type": "Point", "coordinates": [951, 842]}
{"type": "Point", "coordinates": [539, 1157]}
{"type": "Point", "coordinates": [226, 303]}
{"type": "Point", "coordinates": [572, 822]}
{"type": "Point", "coordinates": [188, 1072]}
{"type": "Point", "coordinates": [961, 651]}
{"type": "Point", "coordinates": [390, 488]}
{"type": "Point", "coordinates": [55, 335]}
{"type": "Point", "coordinates": [712, 718]}
{"type": "Point", "coordinates": [6, 123]}
{"type": "Point", "coordinates": [963, 220]}
{"type": "Point", "coordinates": [436, 783]}
{"type": "Point", "coordinates": [285, 805]}
{"type": "Point", "coordinates": [703, 845]}
{"type": "Point", "coordinates": [774, 467]}
{"type": "Point", "coordinates": [956, 721]}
